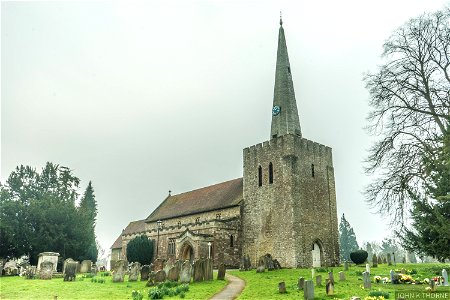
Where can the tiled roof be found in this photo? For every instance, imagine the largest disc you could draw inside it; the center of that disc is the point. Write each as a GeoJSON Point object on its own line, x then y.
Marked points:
{"type": "Point", "coordinates": [209, 198]}
{"type": "Point", "coordinates": [132, 228]}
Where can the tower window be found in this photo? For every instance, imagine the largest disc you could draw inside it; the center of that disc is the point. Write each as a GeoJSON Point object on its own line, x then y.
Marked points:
{"type": "Point", "coordinates": [218, 216]}
{"type": "Point", "coordinates": [179, 224]}
{"type": "Point", "coordinates": [289, 70]}
{"type": "Point", "coordinates": [197, 220]}
{"type": "Point", "coordinates": [171, 247]}
{"type": "Point", "coordinates": [270, 173]}
{"type": "Point", "coordinates": [231, 241]}
{"type": "Point", "coordinates": [259, 176]}
{"type": "Point", "coordinates": [312, 170]}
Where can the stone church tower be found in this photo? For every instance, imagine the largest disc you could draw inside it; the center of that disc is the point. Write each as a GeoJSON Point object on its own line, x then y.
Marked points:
{"type": "Point", "coordinates": [289, 207]}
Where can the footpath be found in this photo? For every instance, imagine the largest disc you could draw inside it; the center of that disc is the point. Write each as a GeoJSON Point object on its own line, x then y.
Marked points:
{"type": "Point", "coordinates": [232, 290]}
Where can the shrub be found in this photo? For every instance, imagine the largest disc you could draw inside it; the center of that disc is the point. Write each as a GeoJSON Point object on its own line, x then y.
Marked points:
{"type": "Point", "coordinates": [155, 293]}
{"type": "Point", "coordinates": [359, 256]}
{"type": "Point", "coordinates": [140, 249]}
{"type": "Point", "coordinates": [182, 295]}
{"type": "Point", "coordinates": [379, 294]}
{"type": "Point", "coordinates": [137, 295]}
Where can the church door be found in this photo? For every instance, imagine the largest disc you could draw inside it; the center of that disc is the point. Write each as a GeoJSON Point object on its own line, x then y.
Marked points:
{"type": "Point", "coordinates": [316, 255]}
{"type": "Point", "coordinates": [188, 253]}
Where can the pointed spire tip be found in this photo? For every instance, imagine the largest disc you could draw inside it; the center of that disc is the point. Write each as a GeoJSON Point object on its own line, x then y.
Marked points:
{"type": "Point", "coordinates": [281, 19]}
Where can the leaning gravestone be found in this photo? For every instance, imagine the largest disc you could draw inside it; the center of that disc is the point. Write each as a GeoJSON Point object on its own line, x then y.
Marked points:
{"type": "Point", "coordinates": [185, 273]}
{"type": "Point", "coordinates": [167, 266]}
{"type": "Point", "coordinates": [341, 276]}
{"type": "Point", "coordinates": [308, 291]}
{"type": "Point", "coordinates": [208, 269]}
{"type": "Point", "coordinates": [445, 277]}
{"type": "Point", "coordinates": [46, 270]}
{"type": "Point", "coordinates": [282, 287]}
{"type": "Point", "coordinates": [134, 271]}
{"type": "Point", "coordinates": [319, 280]}
{"type": "Point", "coordinates": [86, 266]}
{"type": "Point", "coordinates": [199, 274]}
{"type": "Point", "coordinates": [221, 272]}
{"type": "Point", "coordinates": [119, 271]}
{"type": "Point", "coordinates": [329, 287]}
{"type": "Point", "coordinates": [151, 279]}
{"type": "Point", "coordinates": [301, 283]}
{"type": "Point", "coordinates": [160, 276]}
{"type": "Point", "coordinates": [70, 270]}
{"type": "Point", "coordinates": [158, 264]}
{"type": "Point", "coordinates": [145, 271]}
{"type": "Point", "coordinates": [173, 274]}
{"type": "Point", "coordinates": [366, 280]}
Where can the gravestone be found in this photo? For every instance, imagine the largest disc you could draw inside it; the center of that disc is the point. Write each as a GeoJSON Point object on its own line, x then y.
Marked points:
{"type": "Point", "coordinates": [1, 266]}
{"type": "Point", "coordinates": [86, 266]}
{"type": "Point", "coordinates": [260, 269]}
{"type": "Point", "coordinates": [366, 280]}
{"type": "Point", "coordinates": [391, 276]}
{"type": "Point", "coordinates": [245, 263]}
{"type": "Point", "coordinates": [134, 271]}
{"type": "Point", "coordinates": [160, 276]}
{"type": "Point", "coordinates": [118, 272]}
{"type": "Point", "coordinates": [94, 269]}
{"type": "Point", "coordinates": [48, 256]}
{"type": "Point", "coordinates": [331, 277]}
{"type": "Point", "coordinates": [276, 264]}
{"type": "Point", "coordinates": [368, 268]}
{"type": "Point", "coordinates": [199, 270]}
{"type": "Point", "coordinates": [308, 291]}
{"type": "Point", "coordinates": [208, 269]}
{"type": "Point", "coordinates": [46, 270]}
{"type": "Point", "coordinates": [151, 279]}
{"type": "Point", "coordinates": [388, 258]}
{"type": "Point", "coordinates": [301, 283]}
{"type": "Point", "coordinates": [432, 285]}
{"type": "Point", "coordinates": [185, 273]}
{"type": "Point", "coordinates": [266, 261]}
{"type": "Point", "coordinates": [221, 272]}
{"type": "Point", "coordinates": [341, 276]}
{"type": "Point", "coordinates": [380, 260]}
{"type": "Point", "coordinates": [69, 260]}
{"type": "Point", "coordinates": [374, 261]}
{"type": "Point", "coordinates": [319, 280]}
{"type": "Point", "coordinates": [282, 287]}
{"type": "Point", "coordinates": [145, 271]}
{"type": "Point", "coordinates": [346, 266]}
{"type": "Point", "coordinates": [445, 277]}
{"type": "Point", "coordinates": [70, 270]}
{"type": "Point", "coordinates": [174, 273]}
{"type": "Point", "coordinates": [158, 264]}
{"type": "Point", "coordinates": [329, 287]}
{"type": "Point", "coordinates": [30, 272]}
{"type": "Point", "coordinates": [167, 266]}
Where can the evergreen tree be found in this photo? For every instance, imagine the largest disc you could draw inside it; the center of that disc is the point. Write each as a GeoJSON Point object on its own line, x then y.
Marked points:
{"type": "Point", "coordinates": [88, 214]}
{"type": "Point", "coordinates": [347, 239]}
{"type": "Point", "coordinates": [140, 249]}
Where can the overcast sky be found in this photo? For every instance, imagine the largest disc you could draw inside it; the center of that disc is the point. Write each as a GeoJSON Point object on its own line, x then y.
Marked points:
{"type": "Point", "coordinates": [146, 97]}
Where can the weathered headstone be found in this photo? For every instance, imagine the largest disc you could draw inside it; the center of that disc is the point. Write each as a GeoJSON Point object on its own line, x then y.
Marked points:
{"type": "Point", "coordinates": [48, 256]}
{"type": "Point", "coordinates": [341, 276]}
{"type": "Point", "coordinates": [346, 266]}
{"type": "Point", "coordinates": [46, 271]}
{"type": "Point", "coordinates": [308, 291]}
{"type": "Point", "coordinates": [276, 264]}
{"type": "Point", "coordinates": [368, 268]}
{"type": "Point", "coordinates": [167, 266]}
{"type": "Point", "coordinates": [118, 272]}
{"type": "Point", "coordinates": [282, 287]}
{"type": "Point", "coordinates": [185, 273]}
{"type": "Point", "coordinates": [86, 266]}
{"type": "Point", "coordinates": [199, 274]}
{"type": "Point", "coordinates": [374, 261]}
{"type": "Point", "coordinates": [208, 269]}
{"type": "Point", "coordinates": [260, 269]}
{"type": "Point", "coordinates": [445, 277]}
{"type": "Point", "coordinates": [319, 280]}
{"type": "Point", "coordinates": [388, 257]}
{"type": "Point", "coordinates": [151, 279]}
{"type": "Point", "coordinates": [432, 285]}
{"type": "Point", "coordinates": [158, 264]}
{"type": "Point", "coordinates": [30, 272]}
{"type": "Point", "coordinates": [145, 271]}
{"type": "Point", "coordinates": [329, 287]}
{"type": "Point", "coordinates": [174, 273]}
{"type": "Point", "coordinates": [94, 269]}
{"type": "Point", "coordinates": [391, 276]}
{"type": "Point", "coordinates": [134, 271]}
{"type": "Point", "coordinates": [245, 263]}
{"type": "Point", "coordinates": [301, 283]}
{"type": "Point", "coordinates": [366, 280]}
{"type": "Point", "coordinates": [160, 276]}
{"type": "Point", "coordinates": [331, 277]}
{"type": "Point", "coordinates": [1, 266]}
{"type": "Point", "coordinates": [221, 272]}
{"type": "Point", "coordinates": [70, 270]}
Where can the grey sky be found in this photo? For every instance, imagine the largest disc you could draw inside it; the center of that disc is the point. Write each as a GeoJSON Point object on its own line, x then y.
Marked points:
{"type": "Point", "coordinates": [146, 97]}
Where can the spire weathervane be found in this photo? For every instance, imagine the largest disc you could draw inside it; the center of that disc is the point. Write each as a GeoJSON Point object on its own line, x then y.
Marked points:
{"type": "Point", "coordinates": [281, 19]}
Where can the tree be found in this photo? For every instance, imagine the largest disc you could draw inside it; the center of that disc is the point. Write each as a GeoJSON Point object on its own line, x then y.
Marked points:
{"type": "Point", "coordinates": [38, 213]}
{"type": "Point", "coordinates": [140, 249]}
{"type": "Point", "coordinates": [88, 214]}
{"type": "Point", "coordinates": [347, 239]}
{"type": "Point", "coordinates": [410, 100]}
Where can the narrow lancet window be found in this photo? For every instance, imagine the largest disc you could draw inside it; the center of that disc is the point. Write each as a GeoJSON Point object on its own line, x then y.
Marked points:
{"type": "Point", "coordinates": [312, 170]}
{"type": "Point", "coordinates": [231, 241]}
{"type": "Point", "coordinates": [270, 173]}
{"type": "Point", "coordinates": [259, 176]}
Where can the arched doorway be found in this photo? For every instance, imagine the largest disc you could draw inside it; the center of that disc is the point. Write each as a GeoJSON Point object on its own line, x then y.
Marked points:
{"type": "Point", "coordinates": [187, 252]}
{"type": "Point", "coordinates": [316, 255]}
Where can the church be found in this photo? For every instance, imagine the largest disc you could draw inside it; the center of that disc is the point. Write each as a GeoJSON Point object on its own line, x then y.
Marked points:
{"type": "Point", "coordinates": [284, 205]}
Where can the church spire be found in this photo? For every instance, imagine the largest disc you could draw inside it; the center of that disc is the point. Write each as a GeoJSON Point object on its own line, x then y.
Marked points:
{"type": "Point", "coordinates": [284, 112]}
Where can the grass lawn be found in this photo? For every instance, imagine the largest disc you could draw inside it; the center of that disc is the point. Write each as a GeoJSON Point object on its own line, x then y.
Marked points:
{"type": "Point", "coordinates": [265, 285]}
{"type": "Point", "coordinates": [14, 287]}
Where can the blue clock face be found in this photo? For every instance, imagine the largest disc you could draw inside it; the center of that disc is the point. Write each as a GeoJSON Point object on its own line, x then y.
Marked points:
{"type": "Point", "coordinates": [276, 110]}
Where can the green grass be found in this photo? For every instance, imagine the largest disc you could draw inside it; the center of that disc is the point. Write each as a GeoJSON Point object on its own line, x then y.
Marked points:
{"type": "Point", "coordinates": [265, 285]}
{"type": "Point", "coordinates": [14, 287]}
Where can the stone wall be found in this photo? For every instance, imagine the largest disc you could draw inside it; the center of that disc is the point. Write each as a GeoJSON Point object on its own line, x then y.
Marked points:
{"type": "Point", "coordinates": [286, 217]}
